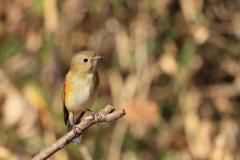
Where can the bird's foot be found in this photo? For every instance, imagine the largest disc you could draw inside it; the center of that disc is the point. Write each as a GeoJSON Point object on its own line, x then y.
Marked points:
{"type": "Point", "coordinates": [94, 114]}
{"type": "Point", "coordinates": [75, 131]}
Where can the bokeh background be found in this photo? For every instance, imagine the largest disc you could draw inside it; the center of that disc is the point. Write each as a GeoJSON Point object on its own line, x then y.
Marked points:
{"type": "Point", "coordinates": [173, 65]}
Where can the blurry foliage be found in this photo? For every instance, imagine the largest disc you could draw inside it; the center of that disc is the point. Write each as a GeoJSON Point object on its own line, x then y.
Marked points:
{"type": "Point", "coordinates": [10, 47]}
{"type": "Point", "coordinates": [173, 65]}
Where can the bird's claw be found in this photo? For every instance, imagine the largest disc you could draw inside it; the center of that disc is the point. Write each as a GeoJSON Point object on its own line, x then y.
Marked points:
{"type": "Point", "coordinates": [75, 131]}
{"type": "Point", "coordinates": [94, 114]}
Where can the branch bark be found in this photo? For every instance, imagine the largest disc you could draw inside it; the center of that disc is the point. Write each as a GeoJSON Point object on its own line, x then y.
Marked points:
{"type": "Point", "coordinates": [105, 115]}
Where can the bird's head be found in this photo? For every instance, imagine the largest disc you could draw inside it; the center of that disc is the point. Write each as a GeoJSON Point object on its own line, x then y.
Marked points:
{"type": "Point", "coordinates": [85, 62]}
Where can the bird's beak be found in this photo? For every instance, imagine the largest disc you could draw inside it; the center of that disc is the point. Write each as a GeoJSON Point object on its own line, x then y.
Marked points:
{"type": "Point", "coordinates": [98, 57]}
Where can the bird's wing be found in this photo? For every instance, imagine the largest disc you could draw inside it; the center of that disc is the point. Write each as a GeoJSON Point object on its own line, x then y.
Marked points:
{"type": "Point", "coordinates": [65, 111]}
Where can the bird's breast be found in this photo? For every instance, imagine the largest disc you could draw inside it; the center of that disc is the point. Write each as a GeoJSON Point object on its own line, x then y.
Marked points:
{"type": "Point", "coordinates": [82, 92]}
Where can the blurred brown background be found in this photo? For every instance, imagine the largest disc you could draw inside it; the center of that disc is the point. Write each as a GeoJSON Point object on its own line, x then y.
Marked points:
{"type": "Point", "coordinates": [173, 65]}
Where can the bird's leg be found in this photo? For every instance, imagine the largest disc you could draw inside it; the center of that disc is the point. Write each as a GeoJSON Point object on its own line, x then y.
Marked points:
{"type": "Point", "coordinates": [91, 111]}
{"type": "Point", "coordinates": [74, 127]}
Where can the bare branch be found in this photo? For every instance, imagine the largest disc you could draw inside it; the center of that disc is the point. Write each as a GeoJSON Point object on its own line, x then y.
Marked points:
{"type": "Point", "coordinates": [105, 115]}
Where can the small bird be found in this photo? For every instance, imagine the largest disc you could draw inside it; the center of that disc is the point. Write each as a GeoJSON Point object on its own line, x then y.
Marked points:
{"type": "Point", "coordinates": [80, 89]}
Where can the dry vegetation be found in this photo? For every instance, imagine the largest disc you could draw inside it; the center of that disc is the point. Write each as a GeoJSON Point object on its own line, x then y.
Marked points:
{"type": "Point", "coordinates": [173, 65]}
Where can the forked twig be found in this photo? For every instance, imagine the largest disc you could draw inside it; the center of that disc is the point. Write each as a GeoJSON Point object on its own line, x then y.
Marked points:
{"type": "Point", "coordinates": [105, 115]}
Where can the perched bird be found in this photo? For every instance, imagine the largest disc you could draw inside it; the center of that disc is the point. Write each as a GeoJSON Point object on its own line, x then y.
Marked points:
{"type": "Point", "coordinates": [80, 89]}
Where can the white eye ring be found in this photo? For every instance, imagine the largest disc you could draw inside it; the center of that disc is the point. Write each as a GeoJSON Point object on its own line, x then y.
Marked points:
{"type": "Point", "coordinates": [85, 60]}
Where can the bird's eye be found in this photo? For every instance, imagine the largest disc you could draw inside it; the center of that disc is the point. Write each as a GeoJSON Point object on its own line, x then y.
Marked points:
{"type": "Point", "coordinates": [85, 60]}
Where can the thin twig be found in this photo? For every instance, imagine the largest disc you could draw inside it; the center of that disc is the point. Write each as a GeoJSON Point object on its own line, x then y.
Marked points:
{"type": "Point", "coordinates": [105, 115]}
